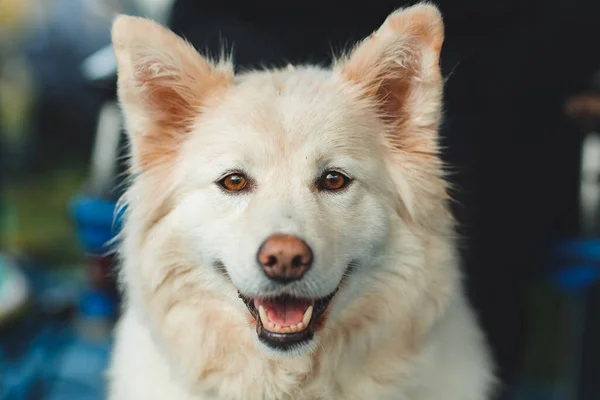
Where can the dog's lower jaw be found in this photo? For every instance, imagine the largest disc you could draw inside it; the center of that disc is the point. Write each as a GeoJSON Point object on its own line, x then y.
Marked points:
{"type": "Point", "coordinates": [294, 352]}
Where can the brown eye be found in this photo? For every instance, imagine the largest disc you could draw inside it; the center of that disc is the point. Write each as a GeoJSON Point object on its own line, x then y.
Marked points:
{"type": "Point", "coordinates": [234, 182]}
{"type": "Point", "coordinates": [333, 181]}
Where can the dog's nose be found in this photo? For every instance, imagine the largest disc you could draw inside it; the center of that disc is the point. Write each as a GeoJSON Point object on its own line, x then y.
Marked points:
{"type": "Point", "coordinates": [285, 258]}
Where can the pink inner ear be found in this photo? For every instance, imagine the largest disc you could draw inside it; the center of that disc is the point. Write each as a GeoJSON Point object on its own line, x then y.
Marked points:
{"type": "Point", "coordinates": [163, 95]}
{"type": "Point", "coordinates": [387, 71]}
{"type": "Point", "coordinates": [392, 95]}
{"type": "Point", "coordinates": [398, 60]}
{"type": "Point", "coordinates": [171, 92]}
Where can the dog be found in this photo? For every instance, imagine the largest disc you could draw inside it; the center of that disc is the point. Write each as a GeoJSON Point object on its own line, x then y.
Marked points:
{"type": "Point", "coordinates": [287, 232]}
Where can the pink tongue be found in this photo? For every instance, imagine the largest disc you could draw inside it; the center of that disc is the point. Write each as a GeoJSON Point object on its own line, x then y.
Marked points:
{"type": "Point", "coordinates": [284, 312]}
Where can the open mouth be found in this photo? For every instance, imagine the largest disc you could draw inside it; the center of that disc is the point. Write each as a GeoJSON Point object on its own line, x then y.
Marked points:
{"type": "Point", "coordinates": [284, 321]}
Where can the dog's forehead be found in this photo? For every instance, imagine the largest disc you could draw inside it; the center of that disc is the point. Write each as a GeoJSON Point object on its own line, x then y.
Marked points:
{"type": "Point", "coordinates": [291, 110]}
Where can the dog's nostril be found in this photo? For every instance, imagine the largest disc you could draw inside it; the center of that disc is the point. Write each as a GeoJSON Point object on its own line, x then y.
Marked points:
{"type": "Point", "coordinates": [297, 261]}
{"type": "Point", "coordinates": [284, 258]}
{"type": "Point", "coordinates": [271, 261]}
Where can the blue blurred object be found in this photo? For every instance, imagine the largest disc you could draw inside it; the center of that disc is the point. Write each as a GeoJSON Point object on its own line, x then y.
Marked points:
{"type": "Point", "coordinates": [96, 222]}
{"type": "Point", "coordinates": [576, 277]}
{"type": "Point", "coordinates": [588, 249]}
{"type": "Point", "coordinates": [60, 365]}
{"type": "Point", "coordinates": [79, 371]}
{"type": "Point", "coordinates": [46, 355]}
{"type": "Point", "coordinates": [579, 262]}
{"type": "Point", "coordinates": [97, 305]}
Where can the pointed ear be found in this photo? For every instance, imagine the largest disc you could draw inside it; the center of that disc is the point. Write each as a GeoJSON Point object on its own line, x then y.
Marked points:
{"type": "Point", "coordinates": [163, 86]}
{"type": "Point", "coordinates": [397, 71]}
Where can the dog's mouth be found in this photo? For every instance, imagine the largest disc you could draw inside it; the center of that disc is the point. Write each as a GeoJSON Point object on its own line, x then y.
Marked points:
{"type": "Point", "coordinates": [284, 321]}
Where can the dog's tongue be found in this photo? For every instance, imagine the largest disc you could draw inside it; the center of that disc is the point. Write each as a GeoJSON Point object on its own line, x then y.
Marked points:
{"type": "Point", "coordinates": [284, 312]}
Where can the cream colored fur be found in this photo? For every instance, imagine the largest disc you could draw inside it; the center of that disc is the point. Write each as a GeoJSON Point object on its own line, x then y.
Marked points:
{"type": "Point", "coordinates": [399, 327]}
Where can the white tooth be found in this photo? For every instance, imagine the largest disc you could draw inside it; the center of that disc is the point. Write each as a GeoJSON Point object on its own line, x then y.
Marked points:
{"type": "Point", "coordinates": [294, 328]}
{"type": "Point", "coordinates": [300, 326]}
{"type": "Point", "coordinates": [271, 326]}
{"type": "Point", "coordinates": [278, 328]}
{"type": "Point", "coordinates": [263, 315]}
{"type": "Point", "coordinates": [307, 315]}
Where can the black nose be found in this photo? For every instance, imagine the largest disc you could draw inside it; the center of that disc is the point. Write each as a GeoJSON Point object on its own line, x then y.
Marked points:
{"type": "Point", "coordinates": [284, 258]}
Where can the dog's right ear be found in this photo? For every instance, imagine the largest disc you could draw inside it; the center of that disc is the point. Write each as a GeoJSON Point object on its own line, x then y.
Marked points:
{"type": "Point", "coordinates": [163, 85]}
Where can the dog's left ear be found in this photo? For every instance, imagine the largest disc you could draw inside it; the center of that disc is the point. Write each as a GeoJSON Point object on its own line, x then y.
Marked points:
{"type": "Point", "coordinates": [397, 70]}
{"type": "Point", "coordinates": [164, 85]}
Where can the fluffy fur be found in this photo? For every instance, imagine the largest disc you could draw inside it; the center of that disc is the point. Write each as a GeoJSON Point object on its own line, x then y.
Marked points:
{"type": "Point", "coordinates": [399, 327]}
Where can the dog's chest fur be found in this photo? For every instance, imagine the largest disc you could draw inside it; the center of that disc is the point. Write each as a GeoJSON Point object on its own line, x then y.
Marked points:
{"type": "Point", "coordinates": [389, 371]}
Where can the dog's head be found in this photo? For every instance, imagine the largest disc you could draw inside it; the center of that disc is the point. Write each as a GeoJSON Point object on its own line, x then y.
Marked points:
{"type": "Point", "coordinates": [282, 190]}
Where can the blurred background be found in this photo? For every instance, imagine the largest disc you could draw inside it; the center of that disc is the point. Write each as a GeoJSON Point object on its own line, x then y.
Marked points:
{"type": "Point", "coordinates": [522, 112]}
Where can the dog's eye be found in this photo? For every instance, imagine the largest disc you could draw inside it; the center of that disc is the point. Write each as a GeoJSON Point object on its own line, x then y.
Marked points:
{"type": "Point", "coordinates": [333, 181]}
{"type": "Point", "coordinates": [234, 182]}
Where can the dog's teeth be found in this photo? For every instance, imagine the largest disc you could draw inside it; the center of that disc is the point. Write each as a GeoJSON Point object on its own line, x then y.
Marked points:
{"type": "Point", "coordinates": [271, 326]}
{"type": "Point", "coordinates": [263, 315]}
{"type": "Point", "coordinates": [307, 315]}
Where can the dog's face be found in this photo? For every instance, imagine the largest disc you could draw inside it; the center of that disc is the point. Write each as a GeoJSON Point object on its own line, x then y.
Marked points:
{"type": "Point", "coordinates": [284, 187]}
{"type": "Point", "coordinates": [285, 180]}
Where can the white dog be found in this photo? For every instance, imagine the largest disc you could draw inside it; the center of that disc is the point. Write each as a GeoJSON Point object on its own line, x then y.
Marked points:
{"type": "Point", "coordinates": [287, 233]}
